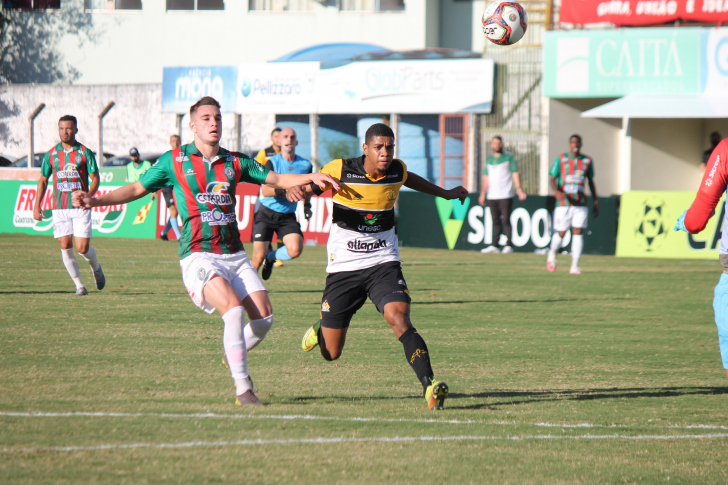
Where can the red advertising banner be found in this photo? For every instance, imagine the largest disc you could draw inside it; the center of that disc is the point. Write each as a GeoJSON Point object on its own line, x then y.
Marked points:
{"type": "Point", "coordinates": [315, 229]}
{"type": "Point", "coordinates": [642, 12]}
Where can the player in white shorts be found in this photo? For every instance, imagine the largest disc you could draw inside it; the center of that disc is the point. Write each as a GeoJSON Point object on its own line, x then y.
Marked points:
{"type": "Point", "coordinates": [567, 176]}
{"type": "Point", "coordinates": [215, 269]}
{"type": "Point", "coordinates": [71, 165]}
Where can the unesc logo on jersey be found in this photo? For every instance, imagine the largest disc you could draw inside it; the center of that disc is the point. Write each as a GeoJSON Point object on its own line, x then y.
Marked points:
{"type": "Point", "coordinates": [452, 227]}
{"type": "Point", "coordinates": [215, 193]}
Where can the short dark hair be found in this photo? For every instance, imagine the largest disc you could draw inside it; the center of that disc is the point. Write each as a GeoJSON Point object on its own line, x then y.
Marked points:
{"type": "Point", "coordinates": [205, 101]}
{"type": "Point", "coordinates": [498, 137]}
{"type": "Point", "coordinates": [274, 130]}
{"type": "Point", "coordinates": [378, 129]}
{"type": "Point", "coordinates": [175, 136]}
{"type": "Point", "coordinates": [69, 118]}
{"type": "Point", "coordinates": [578, 137]}
{"type": "Point", "coordinates": [715, 133]}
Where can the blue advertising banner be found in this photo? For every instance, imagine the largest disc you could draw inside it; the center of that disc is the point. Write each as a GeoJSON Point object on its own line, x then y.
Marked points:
{"type": "Point", "coordinates": [183, 86]}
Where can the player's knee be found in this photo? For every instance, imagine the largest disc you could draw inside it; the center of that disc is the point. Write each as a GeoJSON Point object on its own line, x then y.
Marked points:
{"type": "Point", "coordinates": [261, 326]}
{"type": "Point", "coordinates": [330, 355]}
{"type": "Point", "coordinates": [293, 252]}
{"type": "Point", "coordinates": [82, 248]}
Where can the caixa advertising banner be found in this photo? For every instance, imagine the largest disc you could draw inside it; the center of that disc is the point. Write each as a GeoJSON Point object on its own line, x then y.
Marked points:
{"type": "Point", "coordinates": [126, 220]}
{"type": "Point", "coordinates": [431, 222]}
{"type": "Point", "coordinates": [646, 223]}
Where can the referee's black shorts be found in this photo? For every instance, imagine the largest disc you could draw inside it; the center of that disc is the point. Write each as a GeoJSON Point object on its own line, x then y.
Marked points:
{"type": "Point", "coordinates": [267, 221]}
{"type": "Point", "coordinates": [346, 292]}
{"type": "Point", "coordinates": [168, 194]}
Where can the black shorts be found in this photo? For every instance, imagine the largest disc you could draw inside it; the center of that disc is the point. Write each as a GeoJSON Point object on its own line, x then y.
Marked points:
{"type": "Point", "coordinates": [267, 222]}
{"type": "Point", "coordinates": [346, 292]}
{"type": "Point", "coordinates": [168, 194]}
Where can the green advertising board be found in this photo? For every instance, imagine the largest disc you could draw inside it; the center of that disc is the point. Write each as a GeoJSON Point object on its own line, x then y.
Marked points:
{"type": "Point", "coordinates": [430, 222]}
{"type": "Point", "coordinates": [136, 219]}
{"type": "Point", "coordinates": [614, 62]}
{"type": "Point", "coordinates": [646, 223]}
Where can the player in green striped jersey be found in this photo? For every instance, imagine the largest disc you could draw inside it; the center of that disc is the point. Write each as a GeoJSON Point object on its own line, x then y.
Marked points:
{"type": "Point", "coordinates": [215, 269]}
{"type": "Point", "coordinates": [71, 165]}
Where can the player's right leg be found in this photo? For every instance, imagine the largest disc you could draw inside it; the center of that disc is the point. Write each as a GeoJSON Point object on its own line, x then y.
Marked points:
{"type": "Point", "coordinates": [495, 214]}
{"type": "Point", "coordinates": [82, 235]}
{"type": "Point", "coordinates": [720, 307]}
{"type": "Point", "coordinates": [63, 231]}
{"type": "Point", "coordinates": [562, 222]}
{"type": "Point", "coordinates": [206, 280]}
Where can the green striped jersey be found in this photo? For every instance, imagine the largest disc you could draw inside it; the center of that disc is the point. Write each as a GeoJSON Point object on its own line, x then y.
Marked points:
{"type": "Point", "coordinates": [571, 173]}
{"type": "Point", "coordinates": [70, 170]}
{"type": "Point", "coordinates": [205, 193]}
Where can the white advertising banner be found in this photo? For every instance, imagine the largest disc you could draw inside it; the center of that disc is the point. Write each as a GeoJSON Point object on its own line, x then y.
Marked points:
{"type": "Point", "coordinates": [715, 64]}
{"type": "Point", "coordinates": [277, 87]}
{"type": "Point", "coordinates": [407, 87]}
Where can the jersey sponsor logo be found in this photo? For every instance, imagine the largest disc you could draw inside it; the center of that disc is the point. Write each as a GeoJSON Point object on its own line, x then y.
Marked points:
{"type": "Point", "coordinates": [229, 172]}
{"type": "Point", "coordinates": [181, 158]}
{"type": "Point", "coordinates": [371, 219]}
{"type": "Point", "coordinates": [190, 172]}
{"type": "Point", "coordinates": [69, 171]}
{"type": "Point", "coordinates": [354, 176]}
{"type": "Point", "coordinates": [390, 194]}
{"type": "Point", "coordinates": [230, 158]}
{"type": "Point", "coordinates": [68, 186]}
{"type": "Point", "coordinates": [393, 176]}
{"type": "Point", "coordinates": [216, 218]}
{"type": "Point", "coordinates": [709, 180]}
{"type": "Point", "coordinates": [215, 193]}
{"type": "Point", "coordinates": [376, 228]}
{"type": "Point", "coordinates": [359, 246]}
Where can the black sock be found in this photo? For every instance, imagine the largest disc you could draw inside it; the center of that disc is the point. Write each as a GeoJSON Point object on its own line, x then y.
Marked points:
{"type": "Point", "coordinates": [415, 350]}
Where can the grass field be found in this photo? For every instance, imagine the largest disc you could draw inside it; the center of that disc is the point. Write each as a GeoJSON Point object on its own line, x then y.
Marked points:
{"type": "Point", "coordinates": [611, 376]}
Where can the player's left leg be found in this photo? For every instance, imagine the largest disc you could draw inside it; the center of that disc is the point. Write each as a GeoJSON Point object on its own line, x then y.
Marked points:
{"type": "Point", "coordinates": [579, 222]}
{"type": "Point", "coordinates": [63, 232]}
{"type": "Point", "coordinates": [289, 230]}
{"type": "Point", "coordinates": [82, 235]}
{"type": "Point", "coordinates": [388, 291]}
{"type": "Point", "coordinates": [720, 307]}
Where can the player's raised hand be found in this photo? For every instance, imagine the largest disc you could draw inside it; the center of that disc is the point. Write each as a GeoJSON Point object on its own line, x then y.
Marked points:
{"type": "Point", "coordinates": [295, 193]}
{"type": "Point", "coordinates": [324, 180]}
{"type": "Point", "coordinates": [458, 192]}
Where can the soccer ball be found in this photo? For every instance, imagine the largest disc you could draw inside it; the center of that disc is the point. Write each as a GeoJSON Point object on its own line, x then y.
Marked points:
{"type": "Point", "coordinates": [504, 23]}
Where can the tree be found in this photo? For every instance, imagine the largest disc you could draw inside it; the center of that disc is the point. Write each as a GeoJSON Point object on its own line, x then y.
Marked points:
{"type": "Point", "coordinates": [29, 41]}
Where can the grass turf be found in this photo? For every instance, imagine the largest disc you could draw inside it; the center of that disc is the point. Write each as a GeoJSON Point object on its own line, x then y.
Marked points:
{"type": "Point", "coordinates": [611, 376]}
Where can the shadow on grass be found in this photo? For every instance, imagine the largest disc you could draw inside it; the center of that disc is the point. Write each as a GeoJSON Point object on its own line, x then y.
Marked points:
{"type": "Point", "coordinates": [550, 395]}
{"type": "Point", "coordinates": [509, 398]}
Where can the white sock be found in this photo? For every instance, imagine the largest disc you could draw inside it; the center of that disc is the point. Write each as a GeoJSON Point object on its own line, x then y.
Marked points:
{"type": "Point", "coordinates": [90, 257]}
{"type": "Point", "coordinates": [577, 244]}
{"type": "Point", "coordinates": [69, 260]}
{"type": "Point", "coordinates": [555, 246]}
{"type": "Point", "coordinates": [256, 330]}
{"type": "Point", "coordinates": [233, 341]}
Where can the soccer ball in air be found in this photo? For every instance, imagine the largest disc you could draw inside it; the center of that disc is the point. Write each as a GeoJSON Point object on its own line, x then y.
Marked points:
{"type": "Point", "coordinates": [504, 23]}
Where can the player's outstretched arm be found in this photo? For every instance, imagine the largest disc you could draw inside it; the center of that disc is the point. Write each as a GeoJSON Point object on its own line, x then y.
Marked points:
{"type": "Point", "coordinates": [415, 182]}
{"type": "Point", "coordinates": [712, 188]}
{"type": "Point", "coordinates": [593, 189]}
{"type": "Point", "coordinates": [288, 181]}
{"type": "Point", "coordinates": [119, 196]}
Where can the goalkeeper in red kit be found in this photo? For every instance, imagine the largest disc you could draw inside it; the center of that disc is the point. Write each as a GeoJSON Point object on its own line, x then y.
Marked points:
{"type": "Point", "coordinates": [694, 220]}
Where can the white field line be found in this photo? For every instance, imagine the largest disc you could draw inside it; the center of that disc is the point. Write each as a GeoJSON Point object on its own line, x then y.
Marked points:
{"type": "Point", "coordinates": [308, 417]}
{"type": "Point", "coordinates": [393, 439]}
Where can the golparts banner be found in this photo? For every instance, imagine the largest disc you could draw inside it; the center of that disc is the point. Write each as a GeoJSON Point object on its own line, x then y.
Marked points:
{"type": "Point", "coordinates": [642, 12]}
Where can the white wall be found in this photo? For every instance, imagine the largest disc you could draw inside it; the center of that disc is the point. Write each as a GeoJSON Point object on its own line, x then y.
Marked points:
{"type": "Point", "coordinates": [135, 121]}
{"type": "Point", "coordinates": [666, 154]}
{"type": "Point", "coordinates": [134, 46]}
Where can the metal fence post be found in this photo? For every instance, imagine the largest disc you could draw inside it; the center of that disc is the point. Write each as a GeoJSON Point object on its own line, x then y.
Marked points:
{"type": "Point", "coordinates": [31, 118]}
{"type": "Point", "coordinates": [101, 132]}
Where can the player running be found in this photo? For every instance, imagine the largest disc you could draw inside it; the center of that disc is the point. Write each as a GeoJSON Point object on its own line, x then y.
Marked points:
{"type": "Point", "coordinates": [215, 269]}
{"type": "Point", "coordinates": [71, 165]}
{"type": "Point", "coordinates": [567, 177]}
{"type": "Point", "coordinates": [363, 254]}
{"type": "Point", "coordinates": [276, 213]}
{"type": "Point", "coordinates": [694, 220]}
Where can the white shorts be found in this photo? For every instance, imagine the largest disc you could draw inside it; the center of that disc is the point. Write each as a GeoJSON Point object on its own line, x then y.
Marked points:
{"type": "Point", "coordinates": [567, 217]}
{"type": "Point", "coordinates": [198, 268]}
{"type": "Point", "coordinates": [71, 221]}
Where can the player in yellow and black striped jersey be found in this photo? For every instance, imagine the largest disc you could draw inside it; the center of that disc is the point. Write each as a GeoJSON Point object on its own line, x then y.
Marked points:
{"type": "Point", "coordinates": [363, 253]}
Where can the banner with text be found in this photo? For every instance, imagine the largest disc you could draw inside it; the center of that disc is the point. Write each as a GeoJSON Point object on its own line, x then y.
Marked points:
{"type": "Point", "coordinates": [430, 222]}
{"type": "Point", "coordinates": [646, 222]}
{"type": "Point", "coordinates": [642, 12]}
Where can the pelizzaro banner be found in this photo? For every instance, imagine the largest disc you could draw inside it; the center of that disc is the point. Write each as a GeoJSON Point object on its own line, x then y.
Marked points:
{"type": "Point", "coordinates": [646, 222]}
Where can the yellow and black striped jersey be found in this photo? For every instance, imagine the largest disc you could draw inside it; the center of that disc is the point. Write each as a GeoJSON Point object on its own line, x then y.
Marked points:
{"type": "Point", "coordinates": [362, 231]}
{"type": "Point", "coordinates": [363, 203]}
